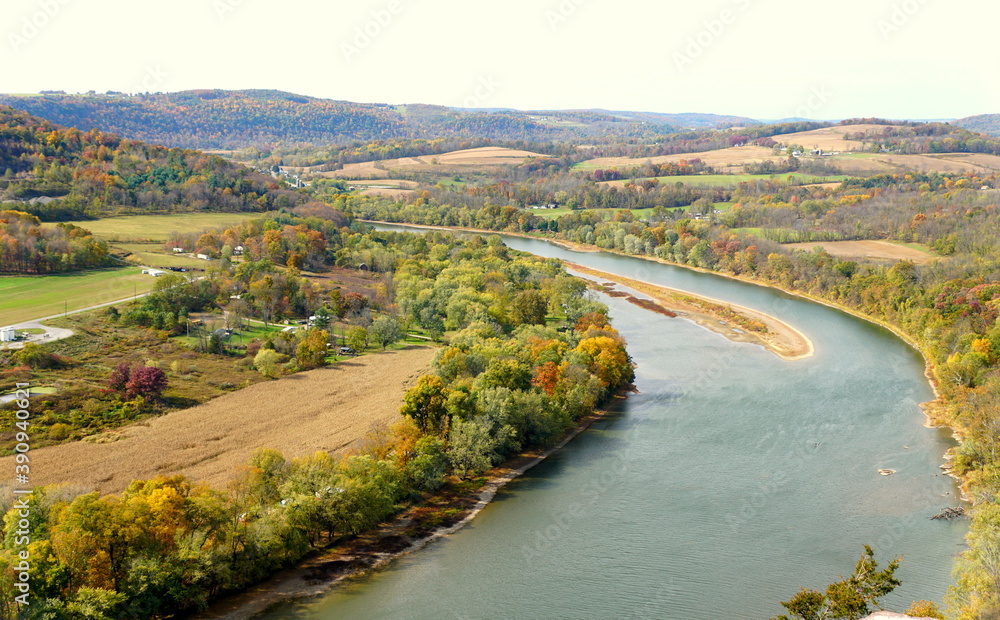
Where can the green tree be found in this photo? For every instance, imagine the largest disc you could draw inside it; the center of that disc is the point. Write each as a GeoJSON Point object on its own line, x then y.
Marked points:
{"type": "Point", "coordinates": [426, 403]}
{"type": "Point", "coordinates": [529, 308]}
{"type": "Point", "coordinates": [850, 599]}
{"type": "Point", "coordinates": [357, 338]}
{"type": "Point", "coordinates": [323, 318]}
{"type": "Point", "coordinates": [386, 330]}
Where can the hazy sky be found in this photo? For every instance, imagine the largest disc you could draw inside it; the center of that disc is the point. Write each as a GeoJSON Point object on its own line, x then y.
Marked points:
{"type": "Point", "coordinates": [760, 58]}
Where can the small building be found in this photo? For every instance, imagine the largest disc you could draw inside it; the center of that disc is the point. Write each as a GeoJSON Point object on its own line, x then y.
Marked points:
{"type": "Point", "coordinates": [223, 334]}
{"type": "Point", "coordinates": [179, 250]}
{"type": "Point", "coordinates": [156, 273]}
{"type": "Point", "coordinates": [203, 256]}
{"type": "Point", "coordinates": [238, 250]}
{"type": "Point", "coordinates": [8, 334]}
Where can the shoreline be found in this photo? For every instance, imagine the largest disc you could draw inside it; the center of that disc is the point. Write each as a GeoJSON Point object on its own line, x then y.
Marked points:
{"type": "Point", "coordinates": [360, 555]}
{"type": "Point", "coordinates": [931, 421]}
{"type": "Point", "coordinates": [781, 339]}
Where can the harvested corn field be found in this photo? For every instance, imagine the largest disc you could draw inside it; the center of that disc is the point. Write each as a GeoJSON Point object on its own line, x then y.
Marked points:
{"type": "Point", "coordinates": [325, 409]}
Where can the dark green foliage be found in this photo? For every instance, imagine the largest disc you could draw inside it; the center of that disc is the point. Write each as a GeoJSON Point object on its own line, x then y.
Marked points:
{"type": "Point", "coordinates": [850, 599]}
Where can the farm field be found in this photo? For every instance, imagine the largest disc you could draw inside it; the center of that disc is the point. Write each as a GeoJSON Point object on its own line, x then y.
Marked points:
{"type": "Point", "coordinates": [154, 255]}
{"type": "Point", "coordinates": [878, 250]}
{"type": "Point", "coordinates": [23, 298]}
{"type": "Point", "coordinates": [159, 227]}
{"type": "Point", "coordinates": [638, 213]}
{"type": "Point", "coordinates": [830, 138]}
{"type": "Point", "coordinates": [480, 157]}
{"type": "Point", "coordinates": [732, 180]}
{"type": "Point", "coordinates": [330, 409]}
{"type": "Point", "coordinates": [727, 160]}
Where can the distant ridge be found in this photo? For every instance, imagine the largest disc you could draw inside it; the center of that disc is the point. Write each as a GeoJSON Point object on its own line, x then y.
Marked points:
{"type": "Point", "coordinates": [983, 123]}
{"type": "Point", "coordinates": [230, 119]}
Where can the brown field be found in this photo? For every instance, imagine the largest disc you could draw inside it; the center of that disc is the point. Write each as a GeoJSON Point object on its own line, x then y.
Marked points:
{"type": "Point", "coordinates": [879, 250]}
{"type": "Point", "coordinates": [725, 161]}
{"type": "Point", "coordinates": [829, 138]}
{"type": "Point", "coordinates": [382, 191]}
{"type": "Point", "coordinates": [329, 409]}
{"type": "Point", "coordinates": [481, 157]}
{"type": "Point", "coordinates": [383, 183]}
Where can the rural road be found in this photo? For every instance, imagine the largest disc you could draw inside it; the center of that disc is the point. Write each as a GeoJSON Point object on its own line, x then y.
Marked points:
{"type": "Point", "coordinates": [57, 333]}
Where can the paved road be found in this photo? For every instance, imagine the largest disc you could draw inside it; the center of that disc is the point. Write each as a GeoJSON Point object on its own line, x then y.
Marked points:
{"type": "Point", "coordinates": [57, 333]}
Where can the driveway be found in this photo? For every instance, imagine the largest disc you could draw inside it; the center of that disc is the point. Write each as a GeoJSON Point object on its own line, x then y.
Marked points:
{"type": "Point", "coordinates": [51, 334]}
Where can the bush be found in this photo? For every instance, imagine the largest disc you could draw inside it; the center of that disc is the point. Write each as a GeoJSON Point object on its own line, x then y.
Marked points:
{"type": "Point", "coordinates": [35, 356]}
{"type": "Point", "coordinates": [266, 362]}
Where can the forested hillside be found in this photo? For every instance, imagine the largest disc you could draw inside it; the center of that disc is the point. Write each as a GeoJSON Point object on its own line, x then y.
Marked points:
{"type": "Point", "coordinates": [57, 173]}
{"type": "Point", "coordinates": [218, 119]}
{"type": "Point", "coordinates": [983, 123]}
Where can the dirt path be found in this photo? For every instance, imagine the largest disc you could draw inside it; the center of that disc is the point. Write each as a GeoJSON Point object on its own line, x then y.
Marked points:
{"type": "Point", "coordinates": [776, 336]}
{"type": "Point", "coordinates": [326, 409]}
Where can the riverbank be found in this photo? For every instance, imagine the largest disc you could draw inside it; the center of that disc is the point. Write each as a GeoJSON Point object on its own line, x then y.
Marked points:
{"type": "Point", "coordinates": [737, 323]}
{"type": "Point", "coordinates": [934, 415]}
{"type": "Point", "coordinates": [439, 516]}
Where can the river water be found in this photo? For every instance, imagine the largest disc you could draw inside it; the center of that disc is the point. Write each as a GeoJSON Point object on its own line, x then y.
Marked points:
{"type": "Point", "coordinates": [730, 480]}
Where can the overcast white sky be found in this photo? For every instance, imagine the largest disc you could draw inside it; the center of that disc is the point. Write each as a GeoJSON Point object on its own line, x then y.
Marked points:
{"type": "Point", "coordinates": [759, 58]}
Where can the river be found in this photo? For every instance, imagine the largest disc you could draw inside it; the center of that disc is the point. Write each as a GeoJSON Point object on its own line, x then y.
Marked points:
{"type": "Point", "coordinates": [730, 480]}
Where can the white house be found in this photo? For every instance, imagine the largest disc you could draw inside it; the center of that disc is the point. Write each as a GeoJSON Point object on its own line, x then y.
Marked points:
{"type": "Point", "coordinates": [8, 334]}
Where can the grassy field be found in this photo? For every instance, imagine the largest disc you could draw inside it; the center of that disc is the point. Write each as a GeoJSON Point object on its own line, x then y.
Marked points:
{"type": "Point", "coordinates": [159, 227]}
{"type": "Point", "coordinates": [155, 255]}
{"type": "Point", "coordinates": [23, 298]}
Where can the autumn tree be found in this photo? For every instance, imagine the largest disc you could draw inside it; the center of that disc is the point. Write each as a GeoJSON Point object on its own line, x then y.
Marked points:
{"type": "Point", "coordinates": [311, 352]}
{"type": "Point", "coordinates": [143, 381]}
{"type": "Point", "coordinates": [266, 362]}
{"type": "Point", "coordinates": [426, 403]}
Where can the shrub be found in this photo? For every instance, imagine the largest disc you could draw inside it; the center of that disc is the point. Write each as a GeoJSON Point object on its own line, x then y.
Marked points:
{"type": "Point", "coordinates": [35, 356]}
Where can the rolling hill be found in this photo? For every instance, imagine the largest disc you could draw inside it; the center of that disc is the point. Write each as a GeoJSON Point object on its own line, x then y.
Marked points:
{"type": "Point", "coordinates": [59, 173]}
{"type": "Point", "coordinates": [983, 123]}
{"type": "Point", "coordinates": [220, 119]}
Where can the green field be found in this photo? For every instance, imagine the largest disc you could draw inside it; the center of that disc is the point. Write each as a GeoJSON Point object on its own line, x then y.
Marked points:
{"type": "Point", "coordinates": [159, 227]}
{"type": "Point", "coordinates": [155, 255]}
{"type": "Point", "coordinates": [732, 180]}
{"type": "Point", "coordinates": [23, 298]}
